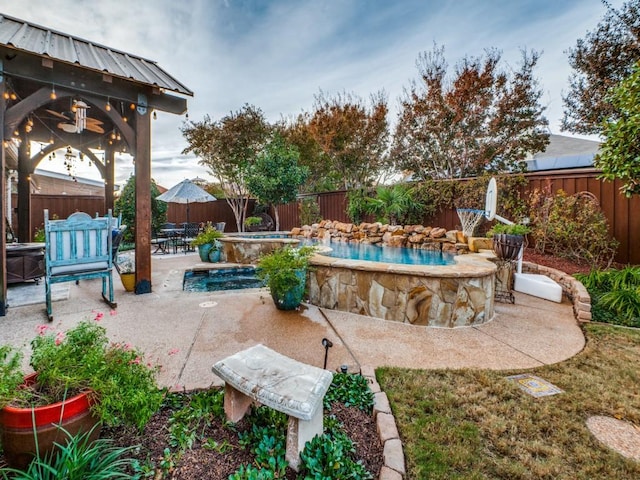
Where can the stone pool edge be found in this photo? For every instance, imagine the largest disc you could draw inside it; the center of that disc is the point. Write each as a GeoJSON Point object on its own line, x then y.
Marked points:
{"type": "Point", "coordinates": [428, 295]}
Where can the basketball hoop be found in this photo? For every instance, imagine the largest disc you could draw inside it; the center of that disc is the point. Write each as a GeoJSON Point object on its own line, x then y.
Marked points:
{"type": "Point", "coordinates": [469, 219]}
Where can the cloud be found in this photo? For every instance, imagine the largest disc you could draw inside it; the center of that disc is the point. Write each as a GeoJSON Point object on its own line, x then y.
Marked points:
{"type": "Point", "coordinates": [277, 55]}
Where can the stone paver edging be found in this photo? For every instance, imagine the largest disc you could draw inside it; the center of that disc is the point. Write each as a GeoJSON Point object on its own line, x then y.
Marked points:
{"type": "Point", "coordinates": [393, 467]}
{"type": "Point", "coordinates": [571, 287]}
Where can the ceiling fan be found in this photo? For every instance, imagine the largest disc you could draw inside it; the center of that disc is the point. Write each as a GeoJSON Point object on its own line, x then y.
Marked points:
{"type": "Point", "coordinates": [76, 120]}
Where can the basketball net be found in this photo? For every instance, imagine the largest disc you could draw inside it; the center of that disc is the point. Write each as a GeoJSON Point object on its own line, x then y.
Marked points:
{"type": "Point", "coordinates": [469, 219]}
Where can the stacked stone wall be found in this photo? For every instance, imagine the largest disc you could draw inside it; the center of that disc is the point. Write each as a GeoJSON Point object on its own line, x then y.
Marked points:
{"type": "Point", "coordinates": [410, 236]}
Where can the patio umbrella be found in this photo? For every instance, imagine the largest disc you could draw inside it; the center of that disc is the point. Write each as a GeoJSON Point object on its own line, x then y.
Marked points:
{"type": "Point", "coordinates": [186, 192]}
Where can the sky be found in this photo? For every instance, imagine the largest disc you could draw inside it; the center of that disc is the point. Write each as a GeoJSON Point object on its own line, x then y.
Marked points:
{"type": "Point", "coordinates": [278, 55]}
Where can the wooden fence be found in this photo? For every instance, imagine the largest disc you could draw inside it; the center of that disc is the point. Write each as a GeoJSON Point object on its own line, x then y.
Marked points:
{"type": "Point", "coordinates": [624, 224]}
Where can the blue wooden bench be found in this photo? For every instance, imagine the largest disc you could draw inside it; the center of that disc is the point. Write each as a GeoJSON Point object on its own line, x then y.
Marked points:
{"type": "Point", "coordinates": [78, 248]}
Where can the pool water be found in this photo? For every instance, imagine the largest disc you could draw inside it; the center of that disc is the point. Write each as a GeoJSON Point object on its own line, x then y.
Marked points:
{"type": "Point", "coordinates": [237, 278]}
{"type": "Point", "coordinates": [374, 253]}
{"type": "Point", "coordinates": [221, 279]}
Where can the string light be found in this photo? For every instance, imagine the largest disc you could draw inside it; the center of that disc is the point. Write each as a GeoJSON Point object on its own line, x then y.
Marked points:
{"type": "Point", "coordinates": [6, 95]}
{"type": "Point", "coordinates": [53, 95]}
{"type": "Point", "coordinates": [107, 107]}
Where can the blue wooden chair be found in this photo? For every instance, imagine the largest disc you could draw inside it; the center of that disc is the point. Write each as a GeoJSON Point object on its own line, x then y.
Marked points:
{"type": "Point", "coordinates": [78, 248]}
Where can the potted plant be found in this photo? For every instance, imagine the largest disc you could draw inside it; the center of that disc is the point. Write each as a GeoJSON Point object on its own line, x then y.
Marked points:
{"type": "Point", "coordinates": [284, 272]}
{"type": "Point", "coordinates": [208, 244]}
{"type": "Point", "coordinates": [251, 223]}
{"type": "Point", "coordinates": [80, 380]}
{"type": "Point", "coordinates": [126, 267]}
{"type": "Point", "coordinates": [508, 239]}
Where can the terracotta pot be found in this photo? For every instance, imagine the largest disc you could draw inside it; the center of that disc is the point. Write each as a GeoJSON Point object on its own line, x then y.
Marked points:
{"type": "Point", "coordinates": [19, 427]}
{"type": "Point", "coordinates": [128, 281]}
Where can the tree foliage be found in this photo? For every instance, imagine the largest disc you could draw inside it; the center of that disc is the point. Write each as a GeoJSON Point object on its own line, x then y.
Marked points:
{"type": "Point", "coordinates": [322, 176]}
{"type": "Point", "coordinates": [600, 61]}
{"type": "Point", "coordinates": [484, 119]}
{"type": "Point", "coordinates": [352, 136]}
{"type": "Point", "coordinates": [392, 204]}
{"type": "Point", "coordinates": [275, 176]}
{"type": "Point", "coordinates": [228, 147]}
{"type": "Point", "coordinates": [619, 155]}
{"type": "Point", "coordinates": [126, 205]}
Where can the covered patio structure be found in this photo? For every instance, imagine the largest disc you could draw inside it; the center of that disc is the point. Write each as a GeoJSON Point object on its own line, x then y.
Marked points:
{"type": "Point", "coordinates": [68, 93]}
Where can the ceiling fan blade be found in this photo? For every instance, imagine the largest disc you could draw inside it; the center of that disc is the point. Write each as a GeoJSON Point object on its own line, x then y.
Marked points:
{"type": "Point", "coordinates": [67, 127]}
{"type": "Point", "coordinates": [94, 128]}
{"type": "Point", "coordinates": [57, 114]}
{"type": "Point", "coordinates": [94, 121]}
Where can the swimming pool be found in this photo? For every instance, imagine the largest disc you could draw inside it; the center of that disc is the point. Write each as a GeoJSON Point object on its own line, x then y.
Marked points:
{"type": "Point", "coordinates": [375, 253]}
{"type": "Point", "coordinates": [218, 279]}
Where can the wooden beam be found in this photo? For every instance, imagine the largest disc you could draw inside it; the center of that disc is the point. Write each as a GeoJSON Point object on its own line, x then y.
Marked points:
{"type": "Point", "coordinates": [3, 206]}
{"type": "Point", "coordinates": [88, 82]}
{"type": "Point", "coordinates": [109, 177]}
{"type": "Point", "coordinates": [143, 200]}
{"type": "Point", "coordinates": [24, 190]}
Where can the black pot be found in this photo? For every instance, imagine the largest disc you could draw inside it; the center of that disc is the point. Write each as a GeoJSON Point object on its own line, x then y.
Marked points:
{"type": "Point", "coordinates": [507, 247]}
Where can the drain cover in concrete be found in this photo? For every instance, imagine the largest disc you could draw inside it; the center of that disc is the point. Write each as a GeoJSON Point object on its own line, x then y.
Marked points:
{"type": "Point", "coordinates": [534, 386]}
{"type": "Point", "coordinates": [208, 304]}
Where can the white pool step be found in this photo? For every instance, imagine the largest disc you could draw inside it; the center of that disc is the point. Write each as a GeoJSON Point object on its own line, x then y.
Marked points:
{"type": "Point", "coordinates": [537, 285]}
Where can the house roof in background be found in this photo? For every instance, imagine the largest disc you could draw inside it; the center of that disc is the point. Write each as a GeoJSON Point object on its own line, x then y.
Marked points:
{"type": "Point", "coordinates": [564, 152]}
{"type": "Point", "coordinates": [43, 41]}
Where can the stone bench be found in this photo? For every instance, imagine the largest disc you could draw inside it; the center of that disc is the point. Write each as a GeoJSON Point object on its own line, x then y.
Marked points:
{"type": "Point", "coordinates": [259, 374]}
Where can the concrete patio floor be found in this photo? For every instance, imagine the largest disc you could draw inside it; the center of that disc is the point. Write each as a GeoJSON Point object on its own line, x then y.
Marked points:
{"type": "Point", "coordinates": [186, 333]}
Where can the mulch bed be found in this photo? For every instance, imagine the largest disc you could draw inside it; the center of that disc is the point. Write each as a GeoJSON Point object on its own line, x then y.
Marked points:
{"type": "Point", "coordinates": [200, 462]}
{"type": "Point", "coordinates": [562, 264]}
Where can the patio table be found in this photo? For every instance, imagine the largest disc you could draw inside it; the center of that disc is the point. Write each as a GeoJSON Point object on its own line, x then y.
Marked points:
{"type": "Point", "coordinates": [173, 235]}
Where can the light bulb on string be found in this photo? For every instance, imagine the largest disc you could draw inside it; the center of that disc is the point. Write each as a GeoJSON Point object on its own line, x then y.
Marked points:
{"type": "Point", "coordinates": [53, 95]}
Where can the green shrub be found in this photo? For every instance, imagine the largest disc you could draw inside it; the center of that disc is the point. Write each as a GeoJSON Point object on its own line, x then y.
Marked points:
{"type": "Point", "coordinates": [515, 229]}
{"type": "Point", "coordinates": [572, 227]}
{"type": "Point", "coordinates": [393, 204]}
{"type": "Point", "coordinates": [83, 358]}
{"type": "Point", "coordinates": [351, 390]}
{"type": "Point", "coordinates": [615, 295]}
{"type": "Point", "coordinates": [357, 204]}
{"type": "Point", "coordinates": [309, 211]}
{"type": "Point", "coordinates": [78, 459]}
{"type": "Point", "coordinates": [278, 268]}
{"type": "Point", "coordinates": [329, 456]}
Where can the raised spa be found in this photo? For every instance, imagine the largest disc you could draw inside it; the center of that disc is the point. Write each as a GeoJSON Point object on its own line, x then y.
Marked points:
{"type": "Point", "coordinates": [455, 295]}
{"type": "Point", "coordinates": [246, 248]}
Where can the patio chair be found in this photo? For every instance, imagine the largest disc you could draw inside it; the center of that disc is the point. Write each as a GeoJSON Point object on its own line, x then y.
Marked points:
{"type": "Point", "coordinates": [78, 248]}
{"type": "Point", "coordinates": [191, 231]}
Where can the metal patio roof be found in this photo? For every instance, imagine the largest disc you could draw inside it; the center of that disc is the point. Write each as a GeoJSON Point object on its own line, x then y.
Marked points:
{"type": "Point", "coordinates": [43, 41]}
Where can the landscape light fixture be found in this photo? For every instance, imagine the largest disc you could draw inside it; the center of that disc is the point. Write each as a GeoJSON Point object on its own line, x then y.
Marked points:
{"type": "Point", "coordinates": [327, 344]}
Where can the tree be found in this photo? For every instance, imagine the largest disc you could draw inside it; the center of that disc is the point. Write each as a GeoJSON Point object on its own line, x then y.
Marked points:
{"type": "Point", "coordinates": [126, 205]}
{"type": "Point", "coordinates": [482, 120]}
{"type": "Point", "coordinates": [600, 61]}
{"type": "Point", "coordinates": [275, 177]}
{"type": "Point", "coordinates": [391, 204]}
{"type": "Point", "coordinates": [228, 147]}
{"type": "Point", "coordinates": [352, 136]}
{"type": "Point", "coordinates": [619, 155]}
{"type": "Point", "coordinates": [322, 176]}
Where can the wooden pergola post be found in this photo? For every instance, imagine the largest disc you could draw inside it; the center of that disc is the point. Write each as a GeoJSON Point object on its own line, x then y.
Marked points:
{"type": "Point", "coordinates": [143, 197]}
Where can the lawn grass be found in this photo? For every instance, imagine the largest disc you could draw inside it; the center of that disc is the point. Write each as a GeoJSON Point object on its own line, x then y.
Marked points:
{"type": "Point", "coordinates": [475, 424]}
